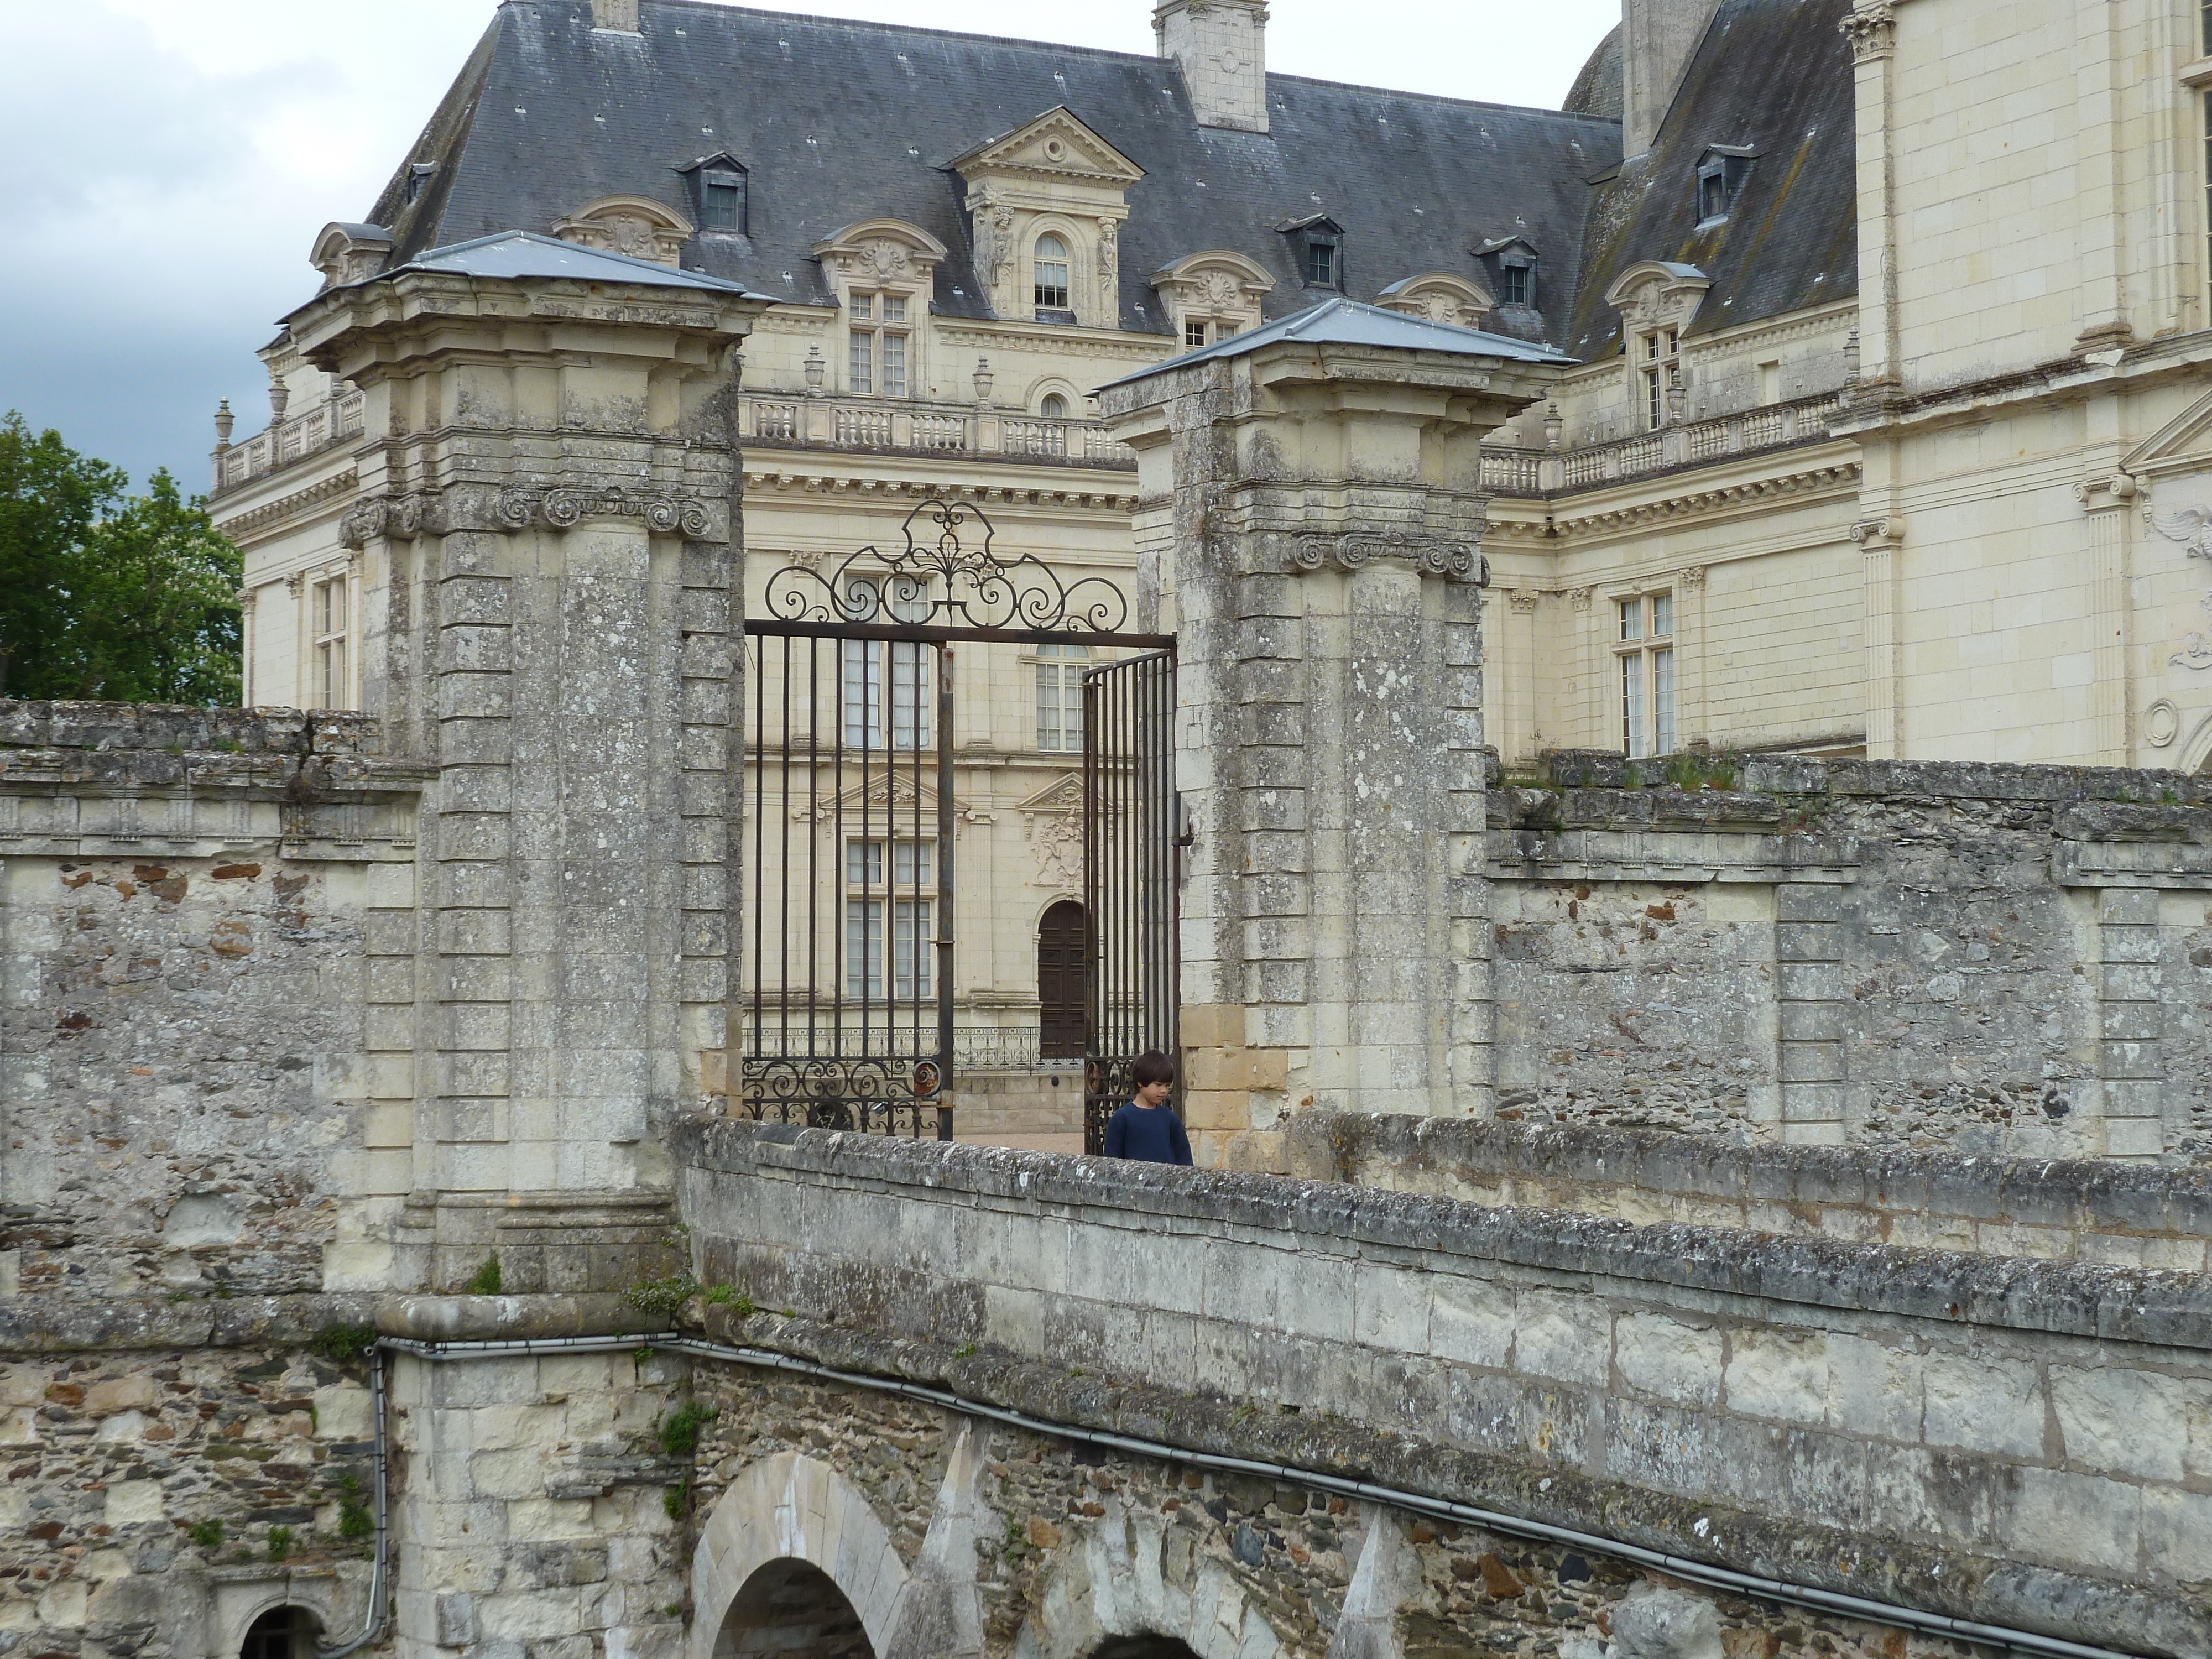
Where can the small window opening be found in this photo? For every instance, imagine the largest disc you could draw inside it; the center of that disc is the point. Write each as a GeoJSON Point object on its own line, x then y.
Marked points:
{"type": "Point", "coordinates": [1053, 408]}
{"type": "Point", "coordinates": [1051, 276]}
{"type": "Point", "coordinates": [418, 179]}
{"type": "Point", "coordinates": [1321, 262]}
{"type": "Point", "coordinates": [1194, 333]}
{"type": "Point", "coordinates": [722, 201]}
{"type": "Point", "coordinates": [1720, 180]}
{"type": "Point", "coordinates": [281, 1633]}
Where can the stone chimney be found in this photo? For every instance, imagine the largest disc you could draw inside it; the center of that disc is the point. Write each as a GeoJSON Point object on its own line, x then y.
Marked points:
{"type": "Point", "coordinates": [1221, 47]}
{"type": "Point", "coordinates": [619, 16]}
{"type": "Point", "coordinates": [1657, 39]}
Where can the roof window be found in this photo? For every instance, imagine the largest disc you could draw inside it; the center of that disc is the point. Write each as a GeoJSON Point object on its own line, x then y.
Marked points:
{"type": "Point", "coordinates": [1317, 246]}
{"type": "Point", "coordinates": [721, 193]}
{"type": "Point", "coordinates": [1510, 263]}
{"type": "Point", "coordinates": [1720, 173]}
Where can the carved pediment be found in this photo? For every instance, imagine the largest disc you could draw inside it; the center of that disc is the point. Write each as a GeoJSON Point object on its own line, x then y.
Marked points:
{"type": "Point", "coordinates": [350, 253]}
{"type": "Point", "coordinates": [1056, 143]}
{"type": "Point", "coordinates": [882, 251]}
{"type": "Point", "coordinates": [2184, 442]}
{"type": "Point", "coordinates": [1658, 291]}
{"type": "Point", "coordinates": [1218, 280]}
{"type": "Point", "coordinates": [635, 227]}
{"type": "Point", "coordinates": [1064, 794]}
{"type": "Point", "coordinates": [1440, 297]}
{"type": "Point", "coordinates": [891, 805]}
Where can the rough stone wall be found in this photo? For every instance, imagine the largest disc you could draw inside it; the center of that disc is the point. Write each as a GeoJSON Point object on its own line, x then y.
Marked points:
{"type": "Point", "coordinates": [184, 900]}
{"type": "Point", "coordinates": [1078, 1544]}
{"type": "Point", "coordinates": [2004, 1439]}
{"type": "Point", "coordinates": [2085, 1210]}
{"type": "Point", "coordinates": [175, 1473]}
{"type": "Point", "coordinates": [1991, 960]}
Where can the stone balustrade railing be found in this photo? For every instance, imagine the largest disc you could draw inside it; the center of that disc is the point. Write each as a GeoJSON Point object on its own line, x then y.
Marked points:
{"type": "Point", "coordinates": [332, 421]}
{"type": "Point", "coordinates": [873, 423]}
{"type": "Point", "coordinates": [1692, 443]}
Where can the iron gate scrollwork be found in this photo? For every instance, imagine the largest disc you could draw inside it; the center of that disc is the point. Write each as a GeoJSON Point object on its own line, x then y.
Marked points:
{"type": "Point", "coordinates": [1132, 854]}
{"type": "Point", "coordinates": [848, 1014]}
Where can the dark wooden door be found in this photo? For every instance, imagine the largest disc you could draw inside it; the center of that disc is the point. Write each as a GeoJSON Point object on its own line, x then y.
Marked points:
{"type": "Point", "coordinates": [1059, 982]}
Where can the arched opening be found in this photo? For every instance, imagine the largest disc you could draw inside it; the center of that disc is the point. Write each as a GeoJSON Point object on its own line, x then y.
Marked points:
{"type": "Point", "coordinates": [1143, 1647]}
{"type": "Point", "coordinates": [1051, 270]}
{"type": "Point", "coordinates": [1061, 983]}
{"type": "Point", "coordinates": [281, 1633]}
{"type": "Point", "coordinates": [1054, 407]}
{"type": "Point", "coordinates": [794, 1611]}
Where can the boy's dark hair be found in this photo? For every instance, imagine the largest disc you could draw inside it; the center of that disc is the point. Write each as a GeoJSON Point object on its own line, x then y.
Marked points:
{"type": "Point", "coordinates": [1151, 1067]}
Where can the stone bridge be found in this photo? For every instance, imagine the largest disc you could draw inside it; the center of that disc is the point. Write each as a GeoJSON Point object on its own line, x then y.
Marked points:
{"type": "Point", "coordinates": [1041, 1406]}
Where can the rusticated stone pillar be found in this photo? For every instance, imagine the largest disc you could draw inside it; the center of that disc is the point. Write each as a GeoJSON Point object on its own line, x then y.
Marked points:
{"type": "Point", "coordinates": [1323, 577]}
{"type": "Point", "coordinates": [548, 501]}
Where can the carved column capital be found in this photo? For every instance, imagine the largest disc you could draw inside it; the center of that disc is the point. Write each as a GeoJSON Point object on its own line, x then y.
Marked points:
{"type": "Point", "coordinates": [1872, 31]}
{"type": "Point", "coordinates": [1453, 560]}
{"type": "Point", "coordinates": [1879, 535]}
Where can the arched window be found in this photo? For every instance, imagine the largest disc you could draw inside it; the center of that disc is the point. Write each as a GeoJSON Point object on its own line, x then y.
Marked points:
{"type": "Point", "coordinates": [1053, 408]}
{"type": "Point", "coordinates": [1061, 983]}
{"type": "Point", "coordinates": [1051, 276]}
{"type": "Point", "coordinates": [281, 1633]}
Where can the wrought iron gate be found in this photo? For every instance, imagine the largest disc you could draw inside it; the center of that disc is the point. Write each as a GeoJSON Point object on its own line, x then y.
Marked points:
{"type": "Point", "coordinates": [1131, 853]}
{"type": "Point", "coordinates": [851, 847]}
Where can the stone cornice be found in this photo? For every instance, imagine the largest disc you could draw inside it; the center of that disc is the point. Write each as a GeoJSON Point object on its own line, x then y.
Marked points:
{"type": "Point", "coordinates": [248, 524]}
{"type": "Point", "coordinates": [1060, 337]}
{"type": "Point", "coordinates": [1428, 556]}
{"type": "Point", "coordinates": [1834, 478]}
{"type": "Point", "coordinates": [807, 481]}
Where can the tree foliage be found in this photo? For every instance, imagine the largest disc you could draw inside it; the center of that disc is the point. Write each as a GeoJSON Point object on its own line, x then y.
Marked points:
{"type": "Point", "coordinates": [105, 594]}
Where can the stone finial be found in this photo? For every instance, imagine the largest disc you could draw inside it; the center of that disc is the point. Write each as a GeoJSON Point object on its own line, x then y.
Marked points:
{"type": "Point", "coordinates": [280, 399]}
{"type": "Point", "coordinates": [1675, 397]}
{"type": "Point", "coordinates": [984, 380]}
{"type": "Point", "coordinates": [816, 368]}
{"type": "Point", "coordinates": [1851, 359]}
{"type": "Point", "coordinates": [225, 423]}
{"type": "Point", "coordinates": [1554, 425]}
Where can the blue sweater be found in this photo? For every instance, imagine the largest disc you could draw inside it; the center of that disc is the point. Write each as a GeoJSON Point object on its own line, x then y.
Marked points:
{"type": "Point", "coordinates": [1151, 1134]}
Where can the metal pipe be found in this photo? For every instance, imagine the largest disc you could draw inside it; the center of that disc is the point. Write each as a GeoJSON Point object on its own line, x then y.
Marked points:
{"type": "Point", "coordinates": [377, 1610]}
{"type": "Point", "coordinates": [1725, 1578]}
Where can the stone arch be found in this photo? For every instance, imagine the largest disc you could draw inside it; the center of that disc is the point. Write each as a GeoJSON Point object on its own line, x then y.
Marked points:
{"type": "Point", "coordinates": [2196, 754]}
{"type": "Point", "coordinates": [1120, 1591]}
{"type": "Point", "coordinates": [792, 1508]}
{"type": "Point", "coordinates": [791, 1610]}
{"type": "Point", "coordinates": [335, 1606]}
{"type": "Point", "coordinates": [286, 1630]}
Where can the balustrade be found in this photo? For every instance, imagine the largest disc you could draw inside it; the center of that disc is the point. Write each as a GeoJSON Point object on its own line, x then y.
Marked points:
{"type": "Point", "coordinates": [289, 441]}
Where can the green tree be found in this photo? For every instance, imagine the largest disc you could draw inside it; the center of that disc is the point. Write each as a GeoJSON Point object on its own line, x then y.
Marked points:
{"type": "Point", "coordinates": [105, 594]}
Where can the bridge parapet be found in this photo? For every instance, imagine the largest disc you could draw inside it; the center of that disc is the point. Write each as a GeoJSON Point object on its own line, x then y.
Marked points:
{"type": "Point", "coordinates": [2026, 1442]}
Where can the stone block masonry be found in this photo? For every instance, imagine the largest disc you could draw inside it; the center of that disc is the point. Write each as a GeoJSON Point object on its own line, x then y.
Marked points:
{"type": "Point", "coordinates": [1909, 1424]}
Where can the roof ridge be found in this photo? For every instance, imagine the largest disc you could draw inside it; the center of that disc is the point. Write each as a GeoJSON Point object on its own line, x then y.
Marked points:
{"type": "Point", "coordinates": [1130, 56]}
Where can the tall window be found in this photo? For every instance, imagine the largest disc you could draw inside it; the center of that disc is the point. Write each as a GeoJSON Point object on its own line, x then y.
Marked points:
{"type": "Point", "coordinates": [1321, 261]}
{"type": "Point", "coordinates": [877, 347]}
{"type": "Point", "coordinates": [1051, 276]}
{"type": "Point", "coordinates": [908, 900]}
{"type": "Point", "coordinates": [1645, 656]}
{"type": "Point", "coordinates": [899, 704]}
{"type": "Point", "coordinates": [330, 689]}
{"type": "Point", "coordinates": [1059, 697]}
{"type": "Point", "coordinates": [1657, 362]}
{"type": "Point", "coordinates": [2208, 145]}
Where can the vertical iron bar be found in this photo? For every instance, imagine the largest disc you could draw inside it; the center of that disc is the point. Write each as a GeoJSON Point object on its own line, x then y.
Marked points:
{"type": "Point", "coordinates": [814, 845]}
{"type": "Point", "coordinates": [1091, 1047]}
{"type": "Point", "coordinates": [867, 707]}
{"type": "Point", "coordinates": [759, 895]}
{"type": "Point", "coordinates": [943, 912]}
{"type": "Point", "coordinates": [783, 954]}
{"type": "Point", "coordinates": [840, 874]}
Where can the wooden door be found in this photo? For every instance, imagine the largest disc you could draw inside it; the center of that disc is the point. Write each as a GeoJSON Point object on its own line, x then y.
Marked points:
{"type": "Point", "coordinates": [1059, 982]}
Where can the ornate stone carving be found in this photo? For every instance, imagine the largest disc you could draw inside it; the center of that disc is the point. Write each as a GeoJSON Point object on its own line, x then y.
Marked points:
{"type": "Point", "coordinates": [883, 258]}
{"type": "Point", "coordinates": [1456, 561]}
{"type": "Point", "coordinates": [1691, 579]}
{"type": "Point", "coordinates": [474, 509]}
{"type": "Point", "coordinates": [1523, 601]}
{"type": "Point", "coordinates": [2162, 723]}
{"type": "Point", "coordinates": [1888, 533]}
{"type": "Point", "coordinates": [635, 227]}
{"type": "Point", "coordinates": [1872, 33]}
{"type": "Point", "coordinates": [1109, 256]}
{"type": "Point", "coordinates": [2191, 527]}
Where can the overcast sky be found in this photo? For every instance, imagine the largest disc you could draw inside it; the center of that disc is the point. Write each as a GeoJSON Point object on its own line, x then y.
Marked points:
{"type": "Point", "coordinates": [165, 164]}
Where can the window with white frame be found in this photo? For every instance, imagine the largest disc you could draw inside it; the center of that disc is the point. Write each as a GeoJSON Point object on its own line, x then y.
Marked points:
{"type": "Point", "coordinates": [1645, 656]}
{"type": "Point", "coordinates": [1059, 697]}
{"type": "Point", "coordinates": [1052, 407]}
{"type": "Point", "coordinates": [896, 705]}
{"type": "Point", "coordinates": [330, 601]}
{"type": "Point", "coordinates": [1658, 359]}
{"type": "Point", "coordinates": [877, 344]}
{"type": "Point", "coordinates": [1050, 268]}
{"type": "Point", "coordinates": [901, 894]}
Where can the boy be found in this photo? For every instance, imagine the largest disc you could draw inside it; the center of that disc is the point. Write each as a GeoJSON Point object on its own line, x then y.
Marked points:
{"type": "Point", "coordinates": [1147, 1129]}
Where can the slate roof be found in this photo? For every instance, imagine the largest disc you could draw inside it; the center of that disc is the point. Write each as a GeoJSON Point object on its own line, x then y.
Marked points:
{"type": "Point", "coordinates": [1774, 75]}
{"type": "Point", "coordinates": [838, 122]}
{"type": "Point", "coordinates": [1348, 322]}
{"type": "Point", "coordinates": [525, 254]}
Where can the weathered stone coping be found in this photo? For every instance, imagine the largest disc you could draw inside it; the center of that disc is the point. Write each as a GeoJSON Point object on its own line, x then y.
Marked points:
{"type": "Point", "coordinates": [1908, 1573]}
{"type": "Point", "coordinates": [2126, 1304]}
{"type": "Point", "coordinates": [65, 1324]}
{"type": "Point", "coordinates": [2084, 1209]}
{"type": "Point", "coordinates": [1724, 772]}
{"type": "Point", "coordinates": [177, 727]}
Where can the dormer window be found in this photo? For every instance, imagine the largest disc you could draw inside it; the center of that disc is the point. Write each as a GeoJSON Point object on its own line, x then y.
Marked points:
{"type": "Point", "coordinates": [1317, 248]}
{"type": "Point", "coordinates": [1510, 263]}
{"type": "Point", "coordinates": [1721, 174]}
{"type": "Point", "coordinates": [721, 194]}
{"type": "Point", "coordinates": [1051, 262]}
{"type": "Point", "coordinates": [419, 175]}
